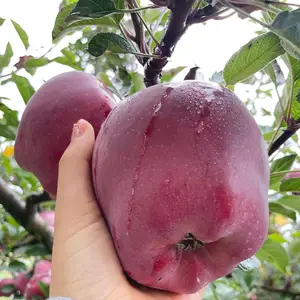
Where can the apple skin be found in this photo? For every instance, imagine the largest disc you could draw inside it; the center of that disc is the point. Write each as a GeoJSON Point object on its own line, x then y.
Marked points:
{"type": "Point", "coordinates": [42, 267]}
{"type": "Point", "coordinates": [48, 216]}
{"type": "Point", "coordinates": [33, 287]}
{"type": "Point", "coordinates": [46, 125]}
{"type": "Point", "coordinates": [21, 281]}
{"type": "Point", "coordinates": [4, 283]}
{"type": "Point", "coordinates": [182, 158]}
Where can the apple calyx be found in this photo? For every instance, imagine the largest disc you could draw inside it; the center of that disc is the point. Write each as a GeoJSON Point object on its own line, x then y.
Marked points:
{"type": "Point", "coordinates": [189, 243]}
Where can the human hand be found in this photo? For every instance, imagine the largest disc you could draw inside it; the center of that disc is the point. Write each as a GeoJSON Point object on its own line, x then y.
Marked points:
{"type": "Point", "coordinates": [84, 262]}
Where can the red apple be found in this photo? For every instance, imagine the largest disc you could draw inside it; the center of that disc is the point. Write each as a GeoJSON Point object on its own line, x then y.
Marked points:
{"type": "Point", "coordinates": [42, 267]}
{"type": "Point", "coordinates": [46, 125]}
{"type": "Point", "coordinates": [49, 217]}
{"type": "Point", "coordinates": [181, 174]}
{"type": "Point", "coordinates": [33, 286]}
{"type": "Point", "coordinates": [21, 281]}
{"type": "Point", "coordinates": [7, 287]}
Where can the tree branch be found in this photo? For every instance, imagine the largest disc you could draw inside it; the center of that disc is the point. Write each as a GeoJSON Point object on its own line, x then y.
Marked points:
{"type": "Point", "coordinates": [280, 290]}
{"type": "Point", "coordinates": [177, 26]}
{"type": "Point", "coordinates": [32, 222]}
{"type": "Point", "coordinates": [282, 139]}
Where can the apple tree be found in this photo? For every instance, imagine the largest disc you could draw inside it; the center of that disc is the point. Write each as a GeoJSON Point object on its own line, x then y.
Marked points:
{"type": "Point", "coordinates": [127, 45]}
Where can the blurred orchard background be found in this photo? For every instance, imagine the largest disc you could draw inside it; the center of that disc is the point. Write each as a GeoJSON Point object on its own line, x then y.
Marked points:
{"type": "Point", "coordinates": [32, 50]}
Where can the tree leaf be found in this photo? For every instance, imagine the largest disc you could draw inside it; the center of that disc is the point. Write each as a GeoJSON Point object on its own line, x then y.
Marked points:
{"type": "Point", "coordinates": [277, 237]}
{"type": "Point", "coordinates": [109, 41]}
{"type": "Point", "coordinates": [252, 57]}
{"type": "Point", "coordinates": [2, 21]}
{"type": "Point", "coordinates": [276, 207]}
{"type": "Point", "coordinates": [168, 75]}
{"type": "Point", "coordinates": [275, 254]}
{"type": "Point", "coordinates": [95, 9]}
{"type": "Point", "coordinates": [45, 288]}
{"type": "Point", "coordinates": [290, 185]}
{"type": "Point", "coordinates": [36, 62]}
{"type": "Point", "coordinates": [11, 116]}
{"type": "Point", "coordinates": [137, 83]}
{"type": "Point", "coordinates": [292, 202]}
{"type": "Point", "coordinates": [296, 101]}
{"type": "Point", "coordinates": [17, 266]}
{"type": "Point", "coordinates": [60, 28]}
{"type": "Point", "coordinates": [8, 132]}
{"type": "Point", "coordinates": [6, 57]}
{"type": "Point", "coordinates": [25, 88]}
{"type": "Point", "coordinates": [22, 34]}
{"type": "Point", "coordinates": [287, 26]}
{"type": "Point", "coordinates": [282, 164]}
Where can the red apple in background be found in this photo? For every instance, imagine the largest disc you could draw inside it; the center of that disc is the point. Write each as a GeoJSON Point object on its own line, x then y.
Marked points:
{"type": "Point", "coordinates": [21, 281]}
{"type": "Point", "coordinates": [49, 217]}
{"type": "Point", "coordinates": [33, 286]}
{"type": "Point", "coordinates": [181, 173]}
{"type": "Point", "coordinates": [46, 125]}
{"type": "Point", "coordinates": [293, 175]}
{"type": "Point", "coordinates": [7, 287]}
{"type": "Point", "coordinates": [42, 267]}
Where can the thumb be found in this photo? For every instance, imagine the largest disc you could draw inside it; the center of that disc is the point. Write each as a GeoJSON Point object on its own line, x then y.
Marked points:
{"type": "Point", "coordinates": [83, 252]}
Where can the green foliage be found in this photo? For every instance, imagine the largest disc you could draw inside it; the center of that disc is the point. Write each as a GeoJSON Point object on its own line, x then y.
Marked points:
{"type": "Point", "coordinates": [102, 49]}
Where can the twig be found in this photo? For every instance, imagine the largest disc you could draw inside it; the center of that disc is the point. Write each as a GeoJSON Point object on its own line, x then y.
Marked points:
{"type": "Point", "coordinates": [138, 28]}
{"type": "Point", "coordinates": [280, 290]}
{"type": "Point", "coordinates": [33, 223]}
{"type": "Point", "coordinates": [177, 26]}
{"type": "Point", "coordinates": [282, 139]}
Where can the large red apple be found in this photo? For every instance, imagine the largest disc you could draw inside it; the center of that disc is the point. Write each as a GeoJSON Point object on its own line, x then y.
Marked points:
{"type": "Point", "coordinates": [181, 173]}
{"type": "Point", "coordinates": [46, 125]}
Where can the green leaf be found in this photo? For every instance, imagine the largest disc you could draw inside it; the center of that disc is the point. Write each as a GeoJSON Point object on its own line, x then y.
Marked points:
{"type": "Point", "coordinates": [2, 21]}
{"type": "Point", "coordinates": [6, 57]}
{"type": "Point", "coordinates": [109, 85]}
{"type": "Point", "coordinates": [282, 164]}
{"type": "Point", "coordinates": [36, 62]}
{"type": "Point", "coordinates": [95, 9]}
{"type": "Point", "coordinates": [22, 34]}
{"type": "Point", "coordinates": [252, 57]}
{"type": "Point", "coordinates": [292, 202]}
{"type": "Point", "coordinates": [109, 41]}
{"type": "Point", "coordinates": [294, 67]}
{"type": "Point", "coordinates": [25, 88]}
{"type": "Point", "coordinates": [287, 26]}
{"type": "Point", "coordinates": [8, 132]}
{"type": "Point", "coordinates": [275, 254]}
{"type": "Point", "coordinates": [290, 185]}
{"type": "Point", "coordinates": [60, 28]}
{"type": "Point", "coordinates": [276, 207]}
{"type": "Point", "coordinates": [277, 237]}
{"type": "Point", "coordinates": [68, 61]}
{"type": "Point", "coordinates": [294, 247]}
{"type": "Point", "coordinates": [10, 116]}
{"type": "Point", "coordinates": [17, 266]}
{"type": "Point", "coordinates": [44, 288]}
{"type": "Point", "coordinates": [168, 75]}
{"type": "Point", "coordinates": [296, 100]}
{"type": "Point", "coordinates": [137, 83]}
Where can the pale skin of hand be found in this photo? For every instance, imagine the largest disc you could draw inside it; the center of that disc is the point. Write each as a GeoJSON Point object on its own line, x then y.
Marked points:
{"type": "Point", "coordinates": [84, 262]}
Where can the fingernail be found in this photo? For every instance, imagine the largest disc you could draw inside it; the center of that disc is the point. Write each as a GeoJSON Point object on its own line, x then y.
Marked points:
{"type": "Point", "coordinates": [79, 129]}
